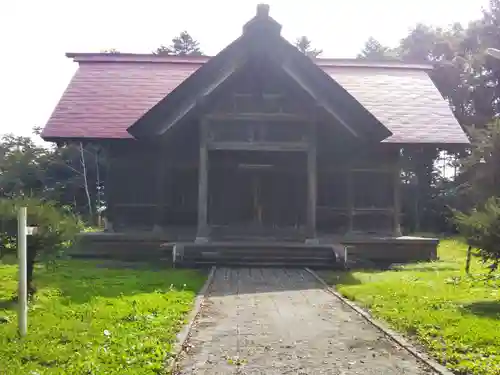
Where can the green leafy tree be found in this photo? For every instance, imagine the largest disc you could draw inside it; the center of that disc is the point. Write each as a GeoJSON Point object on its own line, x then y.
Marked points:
{"type": "Point", "coordinates": [304, 45]}
{"type": "Point", "coordinates": [481, 228]}
{"type": "Point", "coordinates": [70, 175]}
{"type": "Point", "coordinates": [57, 229]}
{"type": "Point", "coordinates": [20, 173]}
{"type": "Point", "coordinates": [182, 45]}
{"type": "Point", "coordinates": [429, 44]}
{"type": "Point", "coordinates": [480, 178]}
{"type": "Point", "coordinates": [476, 102]}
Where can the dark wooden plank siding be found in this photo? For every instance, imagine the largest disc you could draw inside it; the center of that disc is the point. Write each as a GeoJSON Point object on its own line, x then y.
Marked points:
{"type": "Point", "coordinates": [356, 188]}
{"type": "Point", "coordinates": [132, 184]}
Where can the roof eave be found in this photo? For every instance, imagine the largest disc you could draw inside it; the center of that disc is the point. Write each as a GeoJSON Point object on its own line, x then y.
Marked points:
{"type": "Point", "coordinates": [320, 61]}
{"type": "Point", "coordinates": [57, 139]}
{"type": "Point", "coordinates": [439, 144]}
{"type": "Point", "coordinates": [359, 63]}
{"type": "Point", "coordinates": [136, 58]}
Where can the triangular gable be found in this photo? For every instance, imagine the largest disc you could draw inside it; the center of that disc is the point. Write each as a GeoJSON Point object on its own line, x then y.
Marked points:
{"type": "Point", "coordinates": [261, 36]}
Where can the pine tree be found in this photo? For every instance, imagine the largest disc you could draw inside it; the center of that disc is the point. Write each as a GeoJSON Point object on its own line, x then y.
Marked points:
{"type": "Point", "coordinates": [182, 45]}
{"type": "Point", "coordinates": [304, 45]}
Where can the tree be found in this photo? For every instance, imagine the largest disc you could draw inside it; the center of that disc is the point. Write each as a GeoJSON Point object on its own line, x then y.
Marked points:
{"type": "Point", "coordinates": [182, 45]}
{"type": "Point", "coordinates": [475, 100]}
{"type": "Point", "coordinates": [69, 175]}
{"type": "Point", "coordinates": [428, 44]}
{"type": "Point", "coordinates": [481, 229]}
{"type": "Point", "coordinates": [20, 172]}
{"type": "Point", "coordinates": [480, 168]}
{"type": "Point", "coordinates": [304, 45]}
{"type": "Point", "coordinates": [374, 50]}
{"type": "Point", "coordinates": [57, 229]}
{"type": "Point", "coordinates": [72, 177]}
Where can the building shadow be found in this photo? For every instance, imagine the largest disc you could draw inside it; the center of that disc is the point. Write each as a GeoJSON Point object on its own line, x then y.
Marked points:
{"type": "Point", "coordinates": [8, 304]}
{"type": "Point", "coordinates": [8, 259]}
{"type": "Point", "coordinates": [81, 282]}
{"type": "Point", "coordinates": [340, 277]}
{"type": "Point", "coordinates": [489, 309]}
{"type": "Point", "coordinates": [429, 268]}
{"type": "Point", "coordinates": [240, 281]}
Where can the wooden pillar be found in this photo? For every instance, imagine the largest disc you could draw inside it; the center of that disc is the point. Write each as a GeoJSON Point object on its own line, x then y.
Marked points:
{"type": "Point", "coordinates": [350, 199]}
{"type": "Point", "coordinates": [311, 185]}
{"type": "Point", "coordinates": [397, 197]}
{"type": "Point", "coordinates": [160, 190]}
{"type": "Point", "coordinates": [108, 190]}
{"type": "Point", "coordinates": [202, 232]}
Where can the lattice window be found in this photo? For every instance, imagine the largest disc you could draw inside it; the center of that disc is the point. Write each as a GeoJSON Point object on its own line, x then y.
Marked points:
{"type": "Point", "coordinates": [332, 189]}
{"type": "Point", "coordinates": [373, 189]}
{"type": "Point", "coordinates": [373, 222]}
{"type": "Point", "coordinates": [256, 131]}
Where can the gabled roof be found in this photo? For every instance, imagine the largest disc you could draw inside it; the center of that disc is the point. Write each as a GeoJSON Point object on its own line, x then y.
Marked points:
{"type": "Point", "coordinates": [110, 92]}
{"type": "Point", "coordinates": [261, 38]}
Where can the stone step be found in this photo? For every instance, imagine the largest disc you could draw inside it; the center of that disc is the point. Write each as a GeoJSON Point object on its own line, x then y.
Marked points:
{"type": "Point", "coordinates": [249, 252]}
{"type": "Point", "coordinates": [270, 254]}
{"type": "Point", "coordinates": [262, 263]}
{"type": "Point", "coordinates": [257, 258]}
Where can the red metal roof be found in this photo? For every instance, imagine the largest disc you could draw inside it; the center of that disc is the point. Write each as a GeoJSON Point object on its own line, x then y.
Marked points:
{"type": "Point", "coordinates": [110, 92]}
{"type": "Point", "coordinates": [106, 96]}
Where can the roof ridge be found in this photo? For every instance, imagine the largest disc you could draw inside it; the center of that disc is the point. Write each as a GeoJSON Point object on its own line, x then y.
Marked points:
{"type": "Point", "coordinates": [176, 59]}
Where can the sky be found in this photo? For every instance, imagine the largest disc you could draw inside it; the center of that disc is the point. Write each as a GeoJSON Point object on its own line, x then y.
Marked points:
{"type": "Point", "coordinates": [35, 35]}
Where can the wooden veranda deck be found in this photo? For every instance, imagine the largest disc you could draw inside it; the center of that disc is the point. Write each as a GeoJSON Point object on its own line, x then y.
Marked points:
{"type": "Point", "coordinates": [149, 245]}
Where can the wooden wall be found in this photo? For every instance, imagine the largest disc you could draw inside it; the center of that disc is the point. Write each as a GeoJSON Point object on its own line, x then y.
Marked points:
{"type": "Point", "coordinates": [153, 183]}
{"type": "Point", "coordinates": [354, 194]}
{"type": "Point", "coordinates": [357, 188]}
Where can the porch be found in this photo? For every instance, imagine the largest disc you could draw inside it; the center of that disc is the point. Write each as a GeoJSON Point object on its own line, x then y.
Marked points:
{"type": "Point", "coordinates": [362, 250]}
{"type": "Point", "coordinates": [242, 194]}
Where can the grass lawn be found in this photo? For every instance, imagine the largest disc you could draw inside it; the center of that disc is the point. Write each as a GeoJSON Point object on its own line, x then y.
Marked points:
{"type": "Point", "coordinates": [457, 317]}
{"type": "Point", "coordinates": [88, 319]}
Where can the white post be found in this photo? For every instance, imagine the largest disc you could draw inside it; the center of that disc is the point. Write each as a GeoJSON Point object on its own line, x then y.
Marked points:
{"type": "Point", "coordinates": [23, 271]}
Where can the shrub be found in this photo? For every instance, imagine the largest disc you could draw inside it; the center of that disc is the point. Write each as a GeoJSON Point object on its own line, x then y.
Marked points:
{"type": "Point", "coordinates": [481, 229]}
{"type": "Point", "coordinates": [57, 229]}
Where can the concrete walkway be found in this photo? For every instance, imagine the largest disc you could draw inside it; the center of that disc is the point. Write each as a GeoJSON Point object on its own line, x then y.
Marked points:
{"type": "Point", "coordinates": [281, 321]}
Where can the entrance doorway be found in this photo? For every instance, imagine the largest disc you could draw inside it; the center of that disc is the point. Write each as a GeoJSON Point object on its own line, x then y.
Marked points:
{"type": "Point", "coordinates": [257, 193]}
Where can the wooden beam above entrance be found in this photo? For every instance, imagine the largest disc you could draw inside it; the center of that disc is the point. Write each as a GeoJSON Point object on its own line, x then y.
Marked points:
{"type": "Point", "coordinates": [257, 117]}
{"type": "Point", "coordinates": [258, 146]}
